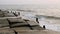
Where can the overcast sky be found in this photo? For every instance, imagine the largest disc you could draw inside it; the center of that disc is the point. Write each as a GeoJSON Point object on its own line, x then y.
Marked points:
{"type": "Point", "coordinates": [29, 1]}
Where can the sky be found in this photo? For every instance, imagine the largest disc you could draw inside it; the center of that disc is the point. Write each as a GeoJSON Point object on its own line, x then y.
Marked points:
{"type": "Point", "coordinates": [29, 1]}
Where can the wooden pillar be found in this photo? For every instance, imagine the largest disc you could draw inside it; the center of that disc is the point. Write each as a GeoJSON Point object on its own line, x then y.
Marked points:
{"type": "Point", "coordinates": [44, 27]}
{"type": "Point", "coordinates": [37, 20]}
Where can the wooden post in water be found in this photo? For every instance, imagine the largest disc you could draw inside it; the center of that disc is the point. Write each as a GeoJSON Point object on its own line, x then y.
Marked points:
{"type": "Point", "coordinates": [44, 27]}
{"type": "Point", "coordinates": [37, 20]}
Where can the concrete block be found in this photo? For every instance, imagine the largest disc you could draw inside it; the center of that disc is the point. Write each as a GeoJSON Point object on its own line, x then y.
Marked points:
{"type": "Point", "coordinates": [6, 31]}
{"type": "Point", "coordinates": [21, 28]}
{"type": "Point", "coordinates": [32, 23]}
{"type": "Point", "coordinates": [12, 20]}
{"type": "Point", "coordinates": [4, 22]}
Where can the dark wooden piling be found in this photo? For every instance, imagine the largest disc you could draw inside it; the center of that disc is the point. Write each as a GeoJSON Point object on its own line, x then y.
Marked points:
{"type": "Point", "coordinates": [37, 20]}
{"type": "Point", "coordinates": [44, 27]}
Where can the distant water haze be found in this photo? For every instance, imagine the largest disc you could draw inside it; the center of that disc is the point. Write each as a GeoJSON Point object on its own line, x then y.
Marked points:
{"type": "Point", "coordinates": [50, 9]}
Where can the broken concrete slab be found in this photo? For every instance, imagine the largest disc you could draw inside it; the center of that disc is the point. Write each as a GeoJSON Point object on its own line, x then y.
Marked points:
{"type": "Point", "coordinates": [29, 32]}
{"type": "Point", "coordinates": [37, 27]}
{"type": "Point", "coordinates": [5, 12]}
{"type": "Point", "coordinates": [4, 22]}
{"type": "Point", "coordinates": [18, 20]}
{"type": "Point", "coordinates": [37, 32]}
{"type": "Point", "coordinates": [19, 24]}
{"type": "Point", "coordinates": [21, 28]}
{"type": "Point", "coordinates": [6, 31]}
{"type": "Point", "coordinates": [32, 23]}
{"type": "Point", "coordinates": [9, 15]}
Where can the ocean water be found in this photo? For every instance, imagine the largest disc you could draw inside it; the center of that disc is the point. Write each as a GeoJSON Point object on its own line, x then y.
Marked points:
{"type": "Point", "coordinates": [51, 24]}
{"type": "Point", "coordinates": [48, 9]}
